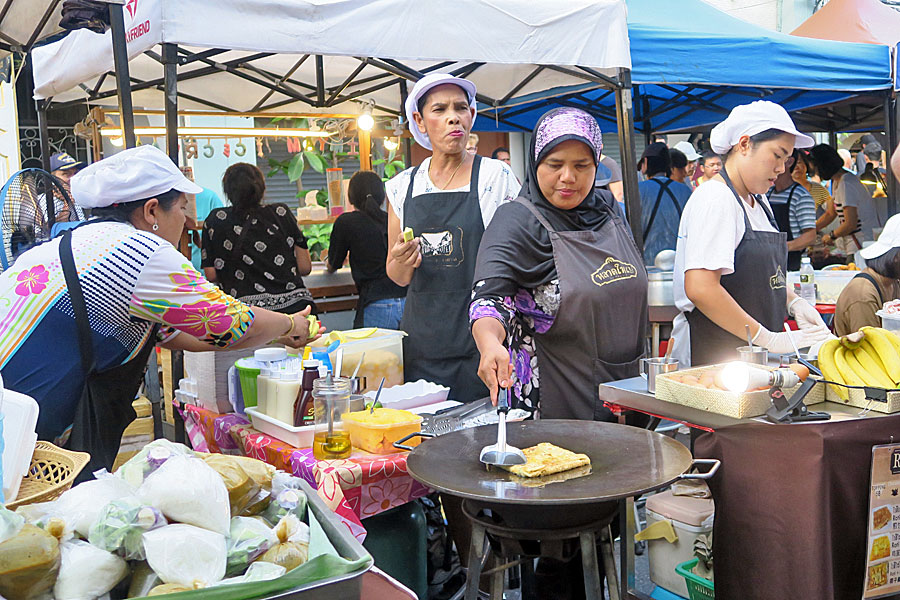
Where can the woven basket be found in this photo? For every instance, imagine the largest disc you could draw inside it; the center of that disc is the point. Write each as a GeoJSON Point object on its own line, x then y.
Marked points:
{"type": "Point", "coordinates": [739, 406]}
{"type": "Point", "coordinates": [52, 472]}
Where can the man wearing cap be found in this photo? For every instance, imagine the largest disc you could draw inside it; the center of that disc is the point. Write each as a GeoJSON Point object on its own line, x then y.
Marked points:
{"type": "Point", "coordinates": [662, 201]}
{"type": "Point", "coordinates": [731, 259]}
{"type": "Point", "coordinates": [63, 167]}
{"type": "Point", "coordinates": [82, 312]}
{"type": "Point", "coordinates": [692, 156]}
{"type": "Point", "coordinates": [447, 201]}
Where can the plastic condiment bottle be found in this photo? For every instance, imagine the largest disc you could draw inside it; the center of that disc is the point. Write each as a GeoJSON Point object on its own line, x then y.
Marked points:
{"type": "Point", "coordinates": [287, 388]}
{"type": "Point", "coordinates": [262, 389]}
{"type": "Point", "coordinates": [304, 412]}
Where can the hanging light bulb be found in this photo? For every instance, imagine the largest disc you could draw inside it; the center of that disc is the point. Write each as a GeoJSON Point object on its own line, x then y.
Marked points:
{"type": "Point", "coordinates": [118, 142]}
{"type": "Point", "coordinates": [365, 121]}
{"type": "Point", "coordinates": [390, 145]}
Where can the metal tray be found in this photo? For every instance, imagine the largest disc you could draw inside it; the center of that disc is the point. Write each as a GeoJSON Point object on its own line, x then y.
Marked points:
{"type": "Point", "coordinates": [347, 586]}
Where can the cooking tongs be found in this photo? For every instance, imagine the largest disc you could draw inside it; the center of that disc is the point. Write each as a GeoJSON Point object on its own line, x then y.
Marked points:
{"type": "Point", "coordinates": [501, 453]}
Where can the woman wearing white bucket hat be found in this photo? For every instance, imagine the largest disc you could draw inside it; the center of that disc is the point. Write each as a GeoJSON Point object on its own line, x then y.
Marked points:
{"type": "Point", "coordinates": [80, 314]}
{"type": "Point", "coordinates": [447, 201]}
{"type": "Point", "coordinates": [730, 258]}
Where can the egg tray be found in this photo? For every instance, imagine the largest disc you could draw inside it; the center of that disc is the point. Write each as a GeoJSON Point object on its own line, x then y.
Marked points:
{"type": "Point", "coordinates": [744, 405]}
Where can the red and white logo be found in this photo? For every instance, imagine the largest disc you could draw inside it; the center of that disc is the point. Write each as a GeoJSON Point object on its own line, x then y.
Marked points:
{"type": "Point", "coordinates": [131, 5]}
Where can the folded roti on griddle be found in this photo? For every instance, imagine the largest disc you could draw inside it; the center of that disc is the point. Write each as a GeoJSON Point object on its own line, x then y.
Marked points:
{"type": "Point", "coordinates": [546, 459]}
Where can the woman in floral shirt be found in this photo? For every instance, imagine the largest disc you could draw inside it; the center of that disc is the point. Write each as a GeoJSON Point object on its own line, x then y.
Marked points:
{"type": "Point", "coordinates": [135, 285]}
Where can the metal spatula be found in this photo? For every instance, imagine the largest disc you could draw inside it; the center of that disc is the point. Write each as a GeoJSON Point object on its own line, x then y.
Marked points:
{"type": "Point", "coordinates": [501, 453]}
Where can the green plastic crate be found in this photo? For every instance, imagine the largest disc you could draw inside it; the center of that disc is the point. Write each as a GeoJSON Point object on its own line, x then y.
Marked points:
{"type": "Point", "coordinates": [698, 587]}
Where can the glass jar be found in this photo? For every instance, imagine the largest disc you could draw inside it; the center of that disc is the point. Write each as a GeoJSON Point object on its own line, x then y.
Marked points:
{"type": "Point", "coordinates": [331, 398]}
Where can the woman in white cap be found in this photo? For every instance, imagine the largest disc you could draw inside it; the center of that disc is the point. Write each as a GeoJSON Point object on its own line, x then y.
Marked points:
{"type": "Point", "coordinates": [80, 313]}
{"type": "Point", "coordinates": [730, 258]}
{"type": "Point", "coordinates": [447, 201]}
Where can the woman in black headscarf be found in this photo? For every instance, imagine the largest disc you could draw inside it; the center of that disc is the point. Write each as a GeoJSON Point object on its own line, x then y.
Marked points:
{"type": "Point", "coordinates": [559, 280]}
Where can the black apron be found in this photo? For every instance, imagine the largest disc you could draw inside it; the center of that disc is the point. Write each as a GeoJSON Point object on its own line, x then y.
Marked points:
{"type": "Point", "coordinates": [439, 346]}
{"type": "Point", "coordinates": [598, 333]}
{"type": "Point", "coordinates": [757, 285]}
{"type": "Point", "coordinates": [663, 189]}
{"type": "Point", "coordinates": [104, 409]}
{"type": "Point", "coordinates": [782, 214]}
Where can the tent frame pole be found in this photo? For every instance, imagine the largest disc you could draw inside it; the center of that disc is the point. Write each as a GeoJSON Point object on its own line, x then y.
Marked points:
{"type": "Point", "coordinates": [43, 132]}
{"type": "Point", "coordinates": [170, 71]}
{"type": "Point", "coordinates": [890, 128]}
{"type": "Point", "coordinates": [123, 80]}
{"type": "Point", "coordinates": [625, 118]}
{"type": "Point", "coordinates": [407, 142]}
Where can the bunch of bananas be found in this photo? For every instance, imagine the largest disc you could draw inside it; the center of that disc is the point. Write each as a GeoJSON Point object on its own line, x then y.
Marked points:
{"type": "Point", "coordinates": [870, 357]}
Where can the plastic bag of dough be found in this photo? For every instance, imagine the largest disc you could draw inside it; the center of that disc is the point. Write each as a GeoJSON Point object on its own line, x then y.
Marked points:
{"type": "Point", "coordinates": [258, 571]}
{"type": "Point", "coordinates": [287, 498]}
{"type": "Point", "coordinates": [10, 524]}
{"type": "Point", "coordinates": [249, 539]}
{"type": "Point", "coordinates": [189, 491]}
{"type": "Point", "coordinates": [121, 525]}
{"type": "Point", "coordinates": [86, 572]}
{"type": "Point", "coordinates": [262, 473]}
{"type": "Point", "coordinates": [292, 549]}
{"type": "Point", "coordinates": [80, 506]}
{"type": "Point", "coordinates": [242, 489]}
{"type": "Point", "coordinates": [29, 562]}
{"type": "Point", "coordinates": [186, 555]}
{"type": "Point", "coordinates": [150, 458]}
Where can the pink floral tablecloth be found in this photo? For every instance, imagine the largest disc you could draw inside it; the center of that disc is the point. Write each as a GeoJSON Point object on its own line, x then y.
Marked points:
{"type": "Point", "coordinates": [355, 488]}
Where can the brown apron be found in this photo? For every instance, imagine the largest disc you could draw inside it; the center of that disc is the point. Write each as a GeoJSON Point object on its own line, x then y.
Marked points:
{"type": "Point", "coordinates": [597, 335]}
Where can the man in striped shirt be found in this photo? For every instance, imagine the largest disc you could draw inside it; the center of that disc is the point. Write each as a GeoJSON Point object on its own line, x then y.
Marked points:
{"type": "Point", "coordinates": [795, 212]}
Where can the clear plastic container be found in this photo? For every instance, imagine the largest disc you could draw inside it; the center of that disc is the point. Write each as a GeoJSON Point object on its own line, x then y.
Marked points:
{"type": "Point", "coordinates": [331, 396]}
{"type": "Point", "coordinates": [377, 431]}
{"type": "Point", "coordinates": [891, 322]}
{"type": "Point", "coordinates": [384, 355]}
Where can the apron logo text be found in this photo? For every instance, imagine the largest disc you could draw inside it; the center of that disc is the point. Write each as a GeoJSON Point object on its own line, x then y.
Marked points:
{"type": "Point", "coordinates": [613, 270]}
{"type": "Point", "coordinates": [777, 281]}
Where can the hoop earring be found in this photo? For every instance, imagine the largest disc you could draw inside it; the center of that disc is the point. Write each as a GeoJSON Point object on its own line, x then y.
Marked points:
{"type": "Point", "coordinates": [155, 226]}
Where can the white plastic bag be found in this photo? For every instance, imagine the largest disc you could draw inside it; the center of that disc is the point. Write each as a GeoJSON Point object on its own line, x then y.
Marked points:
{"type": "Point", "coordinates": [249, 539]}
{"type": "Point", "coordinates": [189, 491]}
{"type": "Point", "coordinates": [86, 572]}
{"type": "Point", "coordinates": [150, 458]}
{"type": "Point", "coordinates": [80, 506]}
{"type": "Point", "coordinates": [121, 524]}
{"type": "Point", "coordinates": [10, 524]}
{"type": "Point", "coordinates": [186, 555]}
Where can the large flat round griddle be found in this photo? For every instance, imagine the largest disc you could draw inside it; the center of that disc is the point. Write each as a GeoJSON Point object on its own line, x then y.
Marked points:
{"type": "Point", "coordinates": [626, 461]}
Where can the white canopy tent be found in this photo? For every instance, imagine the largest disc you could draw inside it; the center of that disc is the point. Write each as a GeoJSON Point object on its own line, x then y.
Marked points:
{"type": "Point", "coordinates": [233, 55]}
{"type": "Point", "coordinates": [25, 22]}
{"type": "Point", "coordinates": [324, 56]}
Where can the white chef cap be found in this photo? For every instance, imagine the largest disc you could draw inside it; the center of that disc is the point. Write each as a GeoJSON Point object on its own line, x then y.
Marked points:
{"type": "Point", "coordinates": [132, 174]}
{"type": "Point", "coordinates": [753, 118]}
{"type": "Point", "coordinates": [421, 88]}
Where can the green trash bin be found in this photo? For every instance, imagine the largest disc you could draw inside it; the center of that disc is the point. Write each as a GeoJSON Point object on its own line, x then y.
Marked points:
{"type": "Point", "coordinates": [397, 540]}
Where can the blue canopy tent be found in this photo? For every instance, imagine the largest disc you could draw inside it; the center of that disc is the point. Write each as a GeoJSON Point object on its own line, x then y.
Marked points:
{"type": "Point", "coordinates": [692, 63]}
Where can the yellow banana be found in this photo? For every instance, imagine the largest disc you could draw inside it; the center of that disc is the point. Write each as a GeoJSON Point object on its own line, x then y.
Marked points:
{"type": "Point", "coordinates": [829, 368]}
{"type": "Point", "coordinates": [871, 370]}
{"type": "Point", "coordinates": [841, 359]}
{"type": "Point", "coordinates": [893, 337]}
{"type": "Point", "coordinates": [888, 354]}
{"type": "Point", "coordinates": [870, 350]}
{"type": "Point", "coordinates": [862, 375]}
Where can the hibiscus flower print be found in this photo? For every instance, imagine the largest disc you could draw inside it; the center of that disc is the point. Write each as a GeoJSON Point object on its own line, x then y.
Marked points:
{"type": "Point", "coordinates": [192, 282]}
{"type": "Point", "coordinates": [200, 319]}
{"type": "Point", "coordinates": [32, 281]}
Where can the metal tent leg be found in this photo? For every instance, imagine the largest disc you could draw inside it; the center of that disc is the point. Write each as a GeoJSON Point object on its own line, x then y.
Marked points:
{"type": "Point", "coordinates": [123, 79]}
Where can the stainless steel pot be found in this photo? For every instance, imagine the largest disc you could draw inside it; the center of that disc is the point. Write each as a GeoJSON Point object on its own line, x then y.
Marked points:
{"type": "Point", "coordinates": [659, 289]}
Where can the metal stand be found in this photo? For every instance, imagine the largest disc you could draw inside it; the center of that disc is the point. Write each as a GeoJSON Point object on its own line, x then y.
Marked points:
{"type": "Point", "coordinates": [170, 68]}
{"type": "Point", "coordinates": [123, 79]}
{"type": "Point", "coordinates": [480, 550]}
{"type": "Point", "coordinates": [625, 119]}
